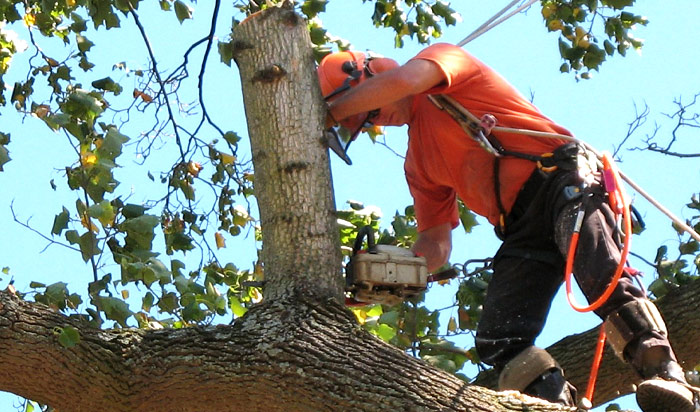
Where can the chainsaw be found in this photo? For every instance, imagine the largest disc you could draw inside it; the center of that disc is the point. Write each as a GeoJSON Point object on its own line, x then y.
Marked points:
{"type": "Point", "coordinates": [384, 274]}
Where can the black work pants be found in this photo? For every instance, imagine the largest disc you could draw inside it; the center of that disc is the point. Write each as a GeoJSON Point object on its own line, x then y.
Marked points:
{"type": "Point", "coordinates": [529, 266]}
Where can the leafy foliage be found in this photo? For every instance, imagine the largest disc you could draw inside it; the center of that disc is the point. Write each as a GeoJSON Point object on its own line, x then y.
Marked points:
{"type": "Point", "coordinates": [684, 265]}
{"type": "Point", "coordinates": [583, 24]}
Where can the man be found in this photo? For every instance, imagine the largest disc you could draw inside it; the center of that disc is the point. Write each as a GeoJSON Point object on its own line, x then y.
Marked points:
{"type": "Point", "coordinates": [533, 208]}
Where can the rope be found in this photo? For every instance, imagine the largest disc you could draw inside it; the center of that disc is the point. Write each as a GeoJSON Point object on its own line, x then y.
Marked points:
{"type": "Point", "coordinates": [488, 24]}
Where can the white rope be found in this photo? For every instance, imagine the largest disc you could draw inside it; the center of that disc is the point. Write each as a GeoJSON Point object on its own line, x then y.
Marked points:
{"type": "Point", "coordinates": [489, 24]}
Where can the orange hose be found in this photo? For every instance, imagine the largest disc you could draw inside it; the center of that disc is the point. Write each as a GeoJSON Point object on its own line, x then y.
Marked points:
{"type": "Point", "coordinates": [596, 364]}
{"type": "Point", "coordinates": [627, 223]}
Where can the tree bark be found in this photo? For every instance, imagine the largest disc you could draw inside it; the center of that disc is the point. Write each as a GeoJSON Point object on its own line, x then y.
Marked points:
{"type": "Point", "coordinates": [281, 356]}
{"type": "Point", "coordinates": [301, 246]}
{"type": "Point", "coordinates": [294, 355]}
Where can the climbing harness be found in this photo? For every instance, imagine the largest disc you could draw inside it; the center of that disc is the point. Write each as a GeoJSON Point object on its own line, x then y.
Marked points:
{"type": "Point", "coordinates": [472, 125]}
{"type": "Point", "coordinates": [480, 131]}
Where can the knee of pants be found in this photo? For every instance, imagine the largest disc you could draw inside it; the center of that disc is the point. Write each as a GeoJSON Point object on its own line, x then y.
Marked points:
{"type": "Point", "coordinates": [497, 352]}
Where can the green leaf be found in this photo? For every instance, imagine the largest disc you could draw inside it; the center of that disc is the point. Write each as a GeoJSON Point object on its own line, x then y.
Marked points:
{"type": "Point", "coordinates": [72, 237]}
{"type": "Point", "coordinates": [55, 295]}
{"type": "Point", "coordinates": [312, 7]}
{"type": "Point", "coordinates": [236, 306]}
{"type": "Point", "coordinates": [140, 231]}
{"type": "Point", "coordinates": [69, 337]}
{"type": "Point", "coordinates": [94, 288]}
{"type": "Point", "coordinates": [114, 309]}
{"type": "Point", "coordinates": [168, 303]}
{"type": "Point", "coordinates": [659, 288]}
{"type": "Point", "coordinates": [84, 44]}
{"type": "Point", "coordinates": [111, 146]}
{"type": "Point", "coordinates": [108, 84]}
{"type": "Point", "coordinates": [182, 11]}
{"type": "Point", "coordinates": [232, 138]}
{"type": "Point", "coordinates": [82, 104]}
{"type": "Point", "coordinates": [660, 253]}
{"type": "Point", "coordinates": [60, 222]}
{"type": "Point", "coordinates": [226, 53]}
{"type": "Point", "coordinates": [147, 302]}
{"type": "Point", "coordinates": [154, 271]}
{"type": "Point", "coordinates": [689, 248]}
{"type": "Point", "coordinates": [390, 318]}
{"type": "Point", "coordinates": [618, 4]}
{"type": "Point", "coordinates": [4, 157]}
{"type": "Point", "coordinates": [375, 310]}
{"type": "Point", "coordinates": [131, 211]}
{"type": "Point", "coordinates": [88, 245]}
{"type": "Point", "coordinates": [164, 5]}
{"type": "Point", "coordinates": [385, 332]}
{"type": "Point", "coordinates": [103, 211]}
{"type": "Point", "coordinates": [466, 217]}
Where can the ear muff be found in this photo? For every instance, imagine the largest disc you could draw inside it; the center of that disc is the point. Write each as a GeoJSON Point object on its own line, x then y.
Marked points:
{"type": "Point", "coordinates": [376, 65]}
{"type": "Point", "coordinates": [337, 69]}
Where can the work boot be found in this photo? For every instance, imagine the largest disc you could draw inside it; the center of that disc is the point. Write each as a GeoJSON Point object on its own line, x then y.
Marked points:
{"type": "Point", "coordinates": [666, 390]}
{"type": "Point", "coordinates": [534, 372]}
{"type": "Point", "coordinates": [553, 387]}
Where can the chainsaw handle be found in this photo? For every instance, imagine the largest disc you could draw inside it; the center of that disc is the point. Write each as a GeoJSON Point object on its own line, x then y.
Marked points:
{"type": "Point", "coordinates": [364, 232]}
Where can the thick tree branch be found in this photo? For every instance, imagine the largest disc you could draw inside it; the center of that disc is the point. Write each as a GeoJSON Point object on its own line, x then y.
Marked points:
{"type": "Point", "coordinates": [281, 356]}
{"type": "Point", "coordinates": [312, 356]}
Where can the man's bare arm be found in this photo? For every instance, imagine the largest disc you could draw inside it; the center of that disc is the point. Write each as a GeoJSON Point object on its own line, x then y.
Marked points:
{"type": "Point", "coordinates": [435, 244]}
{"type": "Point", "coordinates": [388, 87]}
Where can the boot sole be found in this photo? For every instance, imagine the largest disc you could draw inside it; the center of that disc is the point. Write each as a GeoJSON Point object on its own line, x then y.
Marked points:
{"type": "Point", "coordinates": [658, 395]}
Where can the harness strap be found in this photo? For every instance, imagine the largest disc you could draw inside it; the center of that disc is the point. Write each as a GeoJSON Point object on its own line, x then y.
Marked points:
{"type": "Point", "coordinates": [472, 126]}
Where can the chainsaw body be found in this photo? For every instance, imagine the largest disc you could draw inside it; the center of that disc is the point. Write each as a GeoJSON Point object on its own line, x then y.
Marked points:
{"type": "Point", "coordinates": [384, 274]}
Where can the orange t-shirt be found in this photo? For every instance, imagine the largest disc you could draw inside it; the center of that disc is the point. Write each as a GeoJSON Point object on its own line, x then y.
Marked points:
{"type": "Point", "coordinates": [443, 162]}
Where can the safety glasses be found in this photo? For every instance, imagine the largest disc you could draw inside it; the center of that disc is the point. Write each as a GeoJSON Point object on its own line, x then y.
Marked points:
{"type": "Point", "coordinates": [339, 138]}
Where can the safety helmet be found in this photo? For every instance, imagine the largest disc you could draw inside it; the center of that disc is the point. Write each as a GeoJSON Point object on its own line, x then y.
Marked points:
{"type": "Point", "coordinates": [337, 73]}
{"type": "Point", "coordinates": [341, 70]}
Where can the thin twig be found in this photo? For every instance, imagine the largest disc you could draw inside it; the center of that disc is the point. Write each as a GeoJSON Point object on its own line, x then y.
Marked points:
{"type": "Point", "coordinates": [43, 236]}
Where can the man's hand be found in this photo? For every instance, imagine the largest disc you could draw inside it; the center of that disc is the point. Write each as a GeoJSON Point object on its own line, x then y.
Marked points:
{"type": "Point", "coordinates": [435, 244]}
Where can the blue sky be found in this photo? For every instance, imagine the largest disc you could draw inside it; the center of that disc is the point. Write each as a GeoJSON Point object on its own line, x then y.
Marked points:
{"type": "Point", "coordinates": [596, 110]}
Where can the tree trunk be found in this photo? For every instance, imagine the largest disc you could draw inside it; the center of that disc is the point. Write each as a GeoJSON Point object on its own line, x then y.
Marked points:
{"type": "Point", "coordinates": [299, 350]}
{"type": "Point", "coordinates": [301, 247]}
